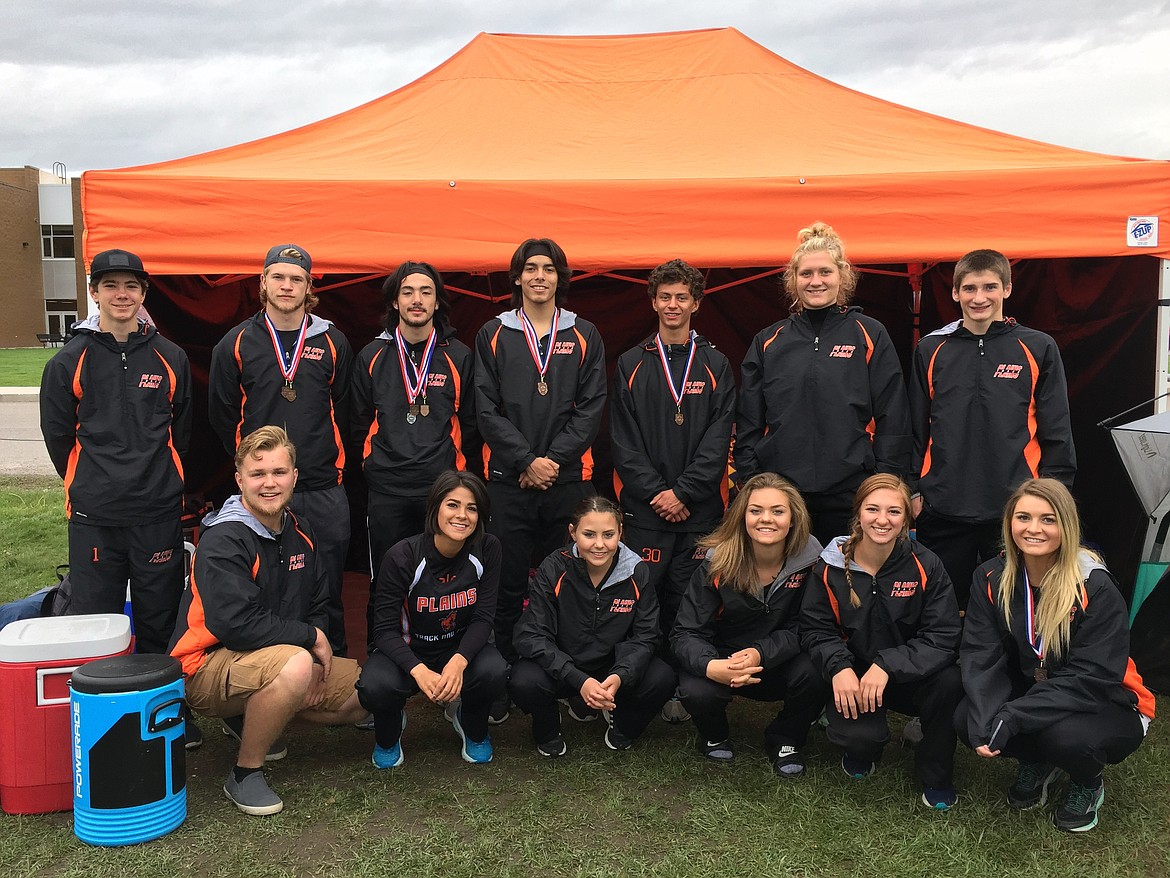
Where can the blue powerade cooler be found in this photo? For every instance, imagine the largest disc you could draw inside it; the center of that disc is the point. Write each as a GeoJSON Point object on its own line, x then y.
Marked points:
{"type": "Point", "coordinates": [129, 760]}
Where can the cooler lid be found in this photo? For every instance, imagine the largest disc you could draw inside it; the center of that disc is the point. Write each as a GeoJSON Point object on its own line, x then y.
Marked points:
{"type": "Point", "coordinates": [59, 638]}
{"type": "Point", "coordinates": [126, 673]}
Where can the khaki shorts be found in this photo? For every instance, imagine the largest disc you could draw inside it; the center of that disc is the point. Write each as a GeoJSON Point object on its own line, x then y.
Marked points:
{"type": "Point", "coordinates": [228, 679]}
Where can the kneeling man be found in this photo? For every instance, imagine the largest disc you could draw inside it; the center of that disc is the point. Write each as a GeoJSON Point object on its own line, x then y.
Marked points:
{"type": "Point", "coordinates": [251, 625]}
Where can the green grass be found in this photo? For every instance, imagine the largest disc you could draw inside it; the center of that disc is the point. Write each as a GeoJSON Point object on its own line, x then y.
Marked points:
{"type": "Point", "coordinates": [658, 810]}
{"type": "Point", "coordinates": [33, 534]}
{"type": "Point", "coordinates": [22, 367]}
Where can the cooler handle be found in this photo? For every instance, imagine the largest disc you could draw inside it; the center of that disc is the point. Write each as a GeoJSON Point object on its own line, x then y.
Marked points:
{"type": "Point", "coordinates": [154, 724]}
{"type": "Point", "coordinates": [42, 673]}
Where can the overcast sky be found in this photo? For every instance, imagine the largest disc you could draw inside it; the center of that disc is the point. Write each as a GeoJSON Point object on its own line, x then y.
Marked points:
{"type": "Point", "coordinates": [110, 83]}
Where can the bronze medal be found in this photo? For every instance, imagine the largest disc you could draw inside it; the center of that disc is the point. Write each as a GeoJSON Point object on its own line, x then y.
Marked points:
{"type": "Point", "coordinates": [542, 388]}
{"type": "Point", "coordinates": [413, 410]}
{"type": "Point", "coordinates": [678, 418]}
{"type": "Point", "coordinates": [1041, 674]}
{"type": "Point", "coordinates": [424, 409]}
{"type": "Point", "coordinates": [288, 391]}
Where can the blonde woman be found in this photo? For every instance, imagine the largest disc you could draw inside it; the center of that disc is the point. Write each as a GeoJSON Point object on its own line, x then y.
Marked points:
{"type": "Point", "coordinates": [737, 632]}
{"type": "Point", "coordinates": [1045, 660]}
{"type": "Point", "coordinates": [822, 401]}
{"type": "Point", "coordinates": [881, 623]}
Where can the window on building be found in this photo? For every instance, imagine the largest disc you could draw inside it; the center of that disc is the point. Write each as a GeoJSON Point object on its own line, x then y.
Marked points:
{"type": "Point", "coordinates": [57, 242]}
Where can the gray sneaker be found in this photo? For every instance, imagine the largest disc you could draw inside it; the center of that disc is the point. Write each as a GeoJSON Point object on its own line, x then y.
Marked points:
{"type": "Point", "coordinates": [673, 711]}
{"type": "Point", "coordinates": [253, 796]}
{"type": "Point", "coordinates": [233, 727]}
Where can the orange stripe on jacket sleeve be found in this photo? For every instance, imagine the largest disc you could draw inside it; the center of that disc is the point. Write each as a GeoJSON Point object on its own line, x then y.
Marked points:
{"type": "Point", "coordinates": [557, 587]}
{"type": "Point", "coordinates": [711, 375]}
{"type": "Point", "coordinates": [833, 605]}
{"type": "Point", "coordinates": [240, 380]}
{"type": "Point", "coordinates": [587, 465]}
{"type": "Point", "coordinates": [367, 446]}
{"type": "Point", "coordinates": [339, 461]}
{"type": "Point", "coordinates": [191, 648]}
{"type": "Point", "coordinates": [930, 393]}
{"type": "Point", "coordinates": [581, 340]}
{"type": "Point", "coordinates": [1134, 683]}
{"type": "Point", "coordinates": [775, 335]}
{"type": "Point", "coordinates": [630, 383]}
{"type": "Point", "coordinates": [456, 379]}
{"type": "Point", "coordinates": [868, 343]}
{"type": "Point", "coordinates": [75, 451]}
{"type": "Point", "coordinates": [617, 486]}
{"type": "Point", "coordinates": [1032, 449]}
{"type": "Point", "coordinates": [921, 570]}
{"type": "Point", "coordinates": [456, 427]}
{"type": "Point", "coordinates": [171, 398]}
{"type": "Point", "coordinates": [304, 536]}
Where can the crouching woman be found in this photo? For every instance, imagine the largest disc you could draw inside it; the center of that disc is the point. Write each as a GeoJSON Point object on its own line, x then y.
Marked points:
{"type": "Point", "coordinates": [881, 623]}
{"type": "Point", "coordinates": [737, 630]}
{"type": "Point", "coordinates": [1045, 660]}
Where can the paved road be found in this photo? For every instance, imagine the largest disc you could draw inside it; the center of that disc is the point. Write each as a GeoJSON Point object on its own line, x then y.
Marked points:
{"type": "Point", "coordinates": [22, 450]}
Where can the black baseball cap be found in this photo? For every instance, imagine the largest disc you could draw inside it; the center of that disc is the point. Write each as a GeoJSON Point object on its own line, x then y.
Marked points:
{"type": "Point", "coordinates": [290, 253]}
{"type": "Point", "coordinates": [116, 260]}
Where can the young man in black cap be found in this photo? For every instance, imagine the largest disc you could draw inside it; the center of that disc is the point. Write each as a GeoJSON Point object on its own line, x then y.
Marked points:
{"type": "Point", "coordinates": [287, 367]}
{"type": "Point", "coordinates": [413, 405]}
{"type": "Point", "coordinates": [671, 412]}
{"type": "Point", "coordinates": [116, 417]}
{"type": "Point", "coordinates": [540, 394]}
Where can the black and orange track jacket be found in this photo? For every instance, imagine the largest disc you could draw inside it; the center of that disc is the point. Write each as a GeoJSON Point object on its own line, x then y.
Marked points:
{"type": "Point", "coordinates": [999, 664]}
{"type": "Point", "coordinates": [428, 607]}
{"type": "Point", "coordinates": [823, 410]}
{"type": "Point", "coordinates": [244, 387]}
{"type": "Point", "coordinates": [116, 421]}
{"type": "Point", "coordinates": [652, 453]}
{"type": "Point", "coordinates": [989, 411]}
{"type": "Point", "coordinates": [907, 624]}
{"type": "Point", "coordinates": [715, 620]}
{"type": "Point", "coordinates": [250, 588]}
{"type": "Point", "coordinates": [519, 425]}
{"type": "Point", "coordinates": [399, 458]}
{"type": "Point", "coordinates": [574, 631]}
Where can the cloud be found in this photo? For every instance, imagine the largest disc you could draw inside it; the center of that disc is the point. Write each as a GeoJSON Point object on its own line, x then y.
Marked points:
{"type": "Point", "coordinates": [117, 83]}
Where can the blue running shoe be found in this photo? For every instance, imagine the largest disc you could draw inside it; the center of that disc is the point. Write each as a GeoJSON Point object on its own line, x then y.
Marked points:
{"type": "Point", "coordinates": [475, 752]}
{"type": "Point", "coordinates": [389, 757]}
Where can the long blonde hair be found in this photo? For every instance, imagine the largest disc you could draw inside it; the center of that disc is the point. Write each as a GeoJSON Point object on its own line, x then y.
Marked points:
{"type": "Point", "coordinates": [732, 560]}
{"type": "Point", "coordinates": [876, 482]}
{"type": "Point", "coordinates": [1060, 589]}
{"type": "Point", "coordinates": [819, 238]}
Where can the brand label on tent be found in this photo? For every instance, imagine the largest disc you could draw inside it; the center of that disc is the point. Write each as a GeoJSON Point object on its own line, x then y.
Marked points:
{"type": "Point", "coordinates": [1141, 231]}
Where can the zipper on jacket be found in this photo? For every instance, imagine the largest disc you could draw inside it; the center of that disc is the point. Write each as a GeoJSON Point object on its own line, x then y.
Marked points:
{"type": "Point", "coordinates": [125, 365]}
{"type": "Point", "coordinates": [816, 342]}
{"type": "Point", "coordinates": [982, 352]}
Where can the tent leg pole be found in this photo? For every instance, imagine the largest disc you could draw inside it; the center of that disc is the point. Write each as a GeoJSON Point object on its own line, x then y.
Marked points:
{"type": "Point", "coordinates": [1162, 348]}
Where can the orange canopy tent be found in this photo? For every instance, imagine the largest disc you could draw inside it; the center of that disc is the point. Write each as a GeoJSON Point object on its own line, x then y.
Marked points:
{"type": "Point", "coordinates": [630, 150]}
{"type": "Point", "coordinates": [702, 144]}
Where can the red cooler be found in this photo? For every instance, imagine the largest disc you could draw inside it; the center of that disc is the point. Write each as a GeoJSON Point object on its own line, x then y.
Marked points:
{"type": "Point", "coordinates": [36, 658]}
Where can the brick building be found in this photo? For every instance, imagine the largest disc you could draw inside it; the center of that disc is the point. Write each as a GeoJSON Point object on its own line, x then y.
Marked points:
{"type": "Point", "coordinates": [42, 277]}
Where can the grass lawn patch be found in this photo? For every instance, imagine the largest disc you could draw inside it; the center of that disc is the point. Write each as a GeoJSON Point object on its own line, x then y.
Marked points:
{"type": "Point", "coordinates": [656, 810]}
{"type": "Point", "coordinates": [22, 367]}
{"type": "Point", "coordinates": [33, 534]}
